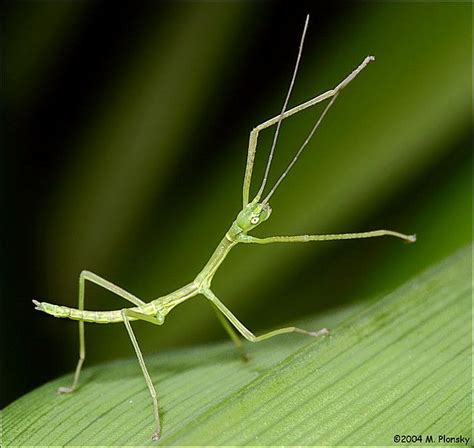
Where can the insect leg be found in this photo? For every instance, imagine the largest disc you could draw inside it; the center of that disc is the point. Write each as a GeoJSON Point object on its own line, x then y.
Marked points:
{"type": "Point", "coordinates": [252, 148]}
{"type": "Point", "coordinates": [232, 333]}
{"type": "Point", "coordinates": [331, 237]}
{"type": "Point", "coordinates": [94, 278]}
{"type": "Point", "coordinates": [246, 333]}
{"type": "Point", "coordinates": [126, 314]}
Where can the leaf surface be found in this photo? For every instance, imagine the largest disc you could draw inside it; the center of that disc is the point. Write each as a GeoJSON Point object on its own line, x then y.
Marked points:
{"type": "Point", "coordinates": [397, 365]}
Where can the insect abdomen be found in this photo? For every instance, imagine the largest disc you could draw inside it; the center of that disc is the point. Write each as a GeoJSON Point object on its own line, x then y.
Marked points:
{"type": "Point", "coordinates": [100, 317]}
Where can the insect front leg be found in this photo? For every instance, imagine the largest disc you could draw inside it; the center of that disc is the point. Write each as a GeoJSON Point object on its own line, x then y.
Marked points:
{"type": "Point", "coordinates": [252, 147]}
{"type": "Point", "coordinates": [94, 278]}
{"type": "Point", "coordinates": [126, 314]}
{"type": "Point", "coordinates": [253, 139]}
{"type": "Point", "coordinates": [246, 333]}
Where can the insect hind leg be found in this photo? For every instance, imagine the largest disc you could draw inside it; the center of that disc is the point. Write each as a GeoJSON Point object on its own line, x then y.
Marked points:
{"type": "Point", "coordinates": [94, 278]}
{"type": "Point", "coordinates": [126, 314]}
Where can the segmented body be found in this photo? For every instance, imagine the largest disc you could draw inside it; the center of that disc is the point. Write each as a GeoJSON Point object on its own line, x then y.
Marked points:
{"type": "Point", "coordinates": [159, 308]}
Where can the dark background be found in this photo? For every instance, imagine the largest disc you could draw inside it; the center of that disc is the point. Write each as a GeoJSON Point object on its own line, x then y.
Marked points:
{"type": "Point", "coordinates": [125, 134]}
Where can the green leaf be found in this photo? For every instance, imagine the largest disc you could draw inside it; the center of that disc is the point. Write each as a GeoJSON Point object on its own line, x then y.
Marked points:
{"type": "Point", "coordinates": [398, 365]}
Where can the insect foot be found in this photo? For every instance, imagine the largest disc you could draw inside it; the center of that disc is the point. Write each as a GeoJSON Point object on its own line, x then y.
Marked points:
{"type": "Point", "coordinates": [322, 332]}
{"type": "Point", "coordinates": [245, 357]}
{"type": "Point", "coordinates": [64, 390]}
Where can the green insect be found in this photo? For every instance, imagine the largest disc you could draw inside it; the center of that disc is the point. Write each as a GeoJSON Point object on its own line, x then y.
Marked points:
{"type": "Point", "coordinates": [254, 212]}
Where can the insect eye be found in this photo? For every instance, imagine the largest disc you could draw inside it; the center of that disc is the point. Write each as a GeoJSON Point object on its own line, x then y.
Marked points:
{"type": "Point", "coordinates": [254, 220]}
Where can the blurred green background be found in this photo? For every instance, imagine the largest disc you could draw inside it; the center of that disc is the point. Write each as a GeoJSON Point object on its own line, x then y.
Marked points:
{"type": "Point", "coordinates": [126, 130]}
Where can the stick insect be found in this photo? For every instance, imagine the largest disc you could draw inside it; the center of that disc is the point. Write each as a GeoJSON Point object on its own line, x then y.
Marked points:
{"type": "Point", "coordinates": [253, 213]}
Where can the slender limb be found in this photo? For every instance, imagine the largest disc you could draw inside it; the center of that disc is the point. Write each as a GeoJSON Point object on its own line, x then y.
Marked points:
{"type": "Point", "coordinates": [94, 278]}
{"type": "Point", "coordinates": [233, 335]}
{"type": "Point", "coordinates": [141, 361]}
{"type": "Point", "coordinates": [246, 333]}
{"type": "Point", "coordinates": [338, 236]}
{"type": "Point", "coordinates": [252, 148]}
{"type": "Point", "coordinates": [300, 150]}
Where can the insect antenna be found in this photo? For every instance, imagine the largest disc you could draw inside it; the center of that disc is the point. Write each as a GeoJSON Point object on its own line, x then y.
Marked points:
{"type": "Point", "coordinates": [283, 110]}
{"type": "Point", "coordinates": [300, 150]}
{"type": "Point", "coordinates": [335, 93]}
